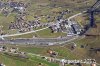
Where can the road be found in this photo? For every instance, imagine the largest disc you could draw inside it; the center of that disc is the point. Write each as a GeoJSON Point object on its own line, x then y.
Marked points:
{"type": "Point", "coordinates": [50, 41]}
{"type": "Point", "coordinates": [75, 15]}
{"type": "Point", "coordinates": [40, 41]}
{"type": "Point", "coordinates": [23, 33]}
{"type": "Point", "coordinates": [69, 19]}
{"type": "Point", "coordinates": [69, 22]}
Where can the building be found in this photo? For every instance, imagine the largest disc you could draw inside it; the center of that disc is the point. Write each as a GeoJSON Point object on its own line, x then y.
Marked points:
{"type": "Point", "coordinates": [93, 64]}
{"type": "Point", "coordinates": [76, 28]}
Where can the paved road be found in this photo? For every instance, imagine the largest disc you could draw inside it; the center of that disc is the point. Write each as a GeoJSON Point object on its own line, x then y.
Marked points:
{"type": "Point", "coordinates": [40, 41]}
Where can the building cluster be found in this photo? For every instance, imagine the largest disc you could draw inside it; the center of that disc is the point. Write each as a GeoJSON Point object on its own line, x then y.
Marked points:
{"type": "Point", "coordinates": [23, 26]}
{"type": "Point", "coordinates": [13, 50]}
{"type": "Point", "coordinates": [74, 28]}
{"type": "Point", "coordinates": [6, 49]}
{"type": "Point", "coordinates": [59, 26]}
{"type": "Point", "coordinates": [65, 27]}
{"type": "Point", "coordinates": [11, 6]}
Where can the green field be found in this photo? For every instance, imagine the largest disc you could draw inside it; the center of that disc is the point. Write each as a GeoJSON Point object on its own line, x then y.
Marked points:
{"type": "Point", "coordinates": [51, 8]}
{"type": "Point", "coordinates": [16, 61]}
{"type": "Point", "coordinates": [44, 7]}
{"type": "Point", "coordinates": [63, 51]}
{"type": "Point", "coordinates": [46, 33]}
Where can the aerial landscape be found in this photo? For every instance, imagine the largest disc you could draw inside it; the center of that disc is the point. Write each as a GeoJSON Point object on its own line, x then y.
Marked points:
{"type": "Point", "coordinates": [49, 32]}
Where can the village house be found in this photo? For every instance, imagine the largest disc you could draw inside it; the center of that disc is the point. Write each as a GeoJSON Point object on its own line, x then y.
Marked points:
{"type": "Point", "coordinates": [93, 64]}
{"type": "Point", "coordinates": [13, 50]}
{"type": "Point", "coordinates": [2, 48]}
{"type": "Point", "coordinates": [52, 53]}
{"type": "Point", "coordinates": [2, 65]}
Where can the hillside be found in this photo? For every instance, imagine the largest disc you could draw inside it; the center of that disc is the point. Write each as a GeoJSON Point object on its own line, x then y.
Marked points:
{"type": "Point", "coordinates": [47, 11]}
